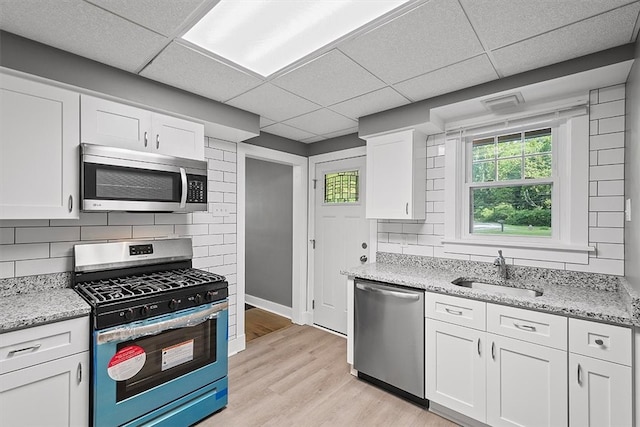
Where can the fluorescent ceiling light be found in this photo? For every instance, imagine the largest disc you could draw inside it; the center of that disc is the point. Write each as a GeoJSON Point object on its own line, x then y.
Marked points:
{"type": "Point", "coordinates": [267, 35]}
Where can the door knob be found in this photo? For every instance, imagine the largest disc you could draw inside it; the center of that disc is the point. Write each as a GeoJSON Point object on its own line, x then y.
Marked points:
{"type": "Point", "coordinates": [363, 258]}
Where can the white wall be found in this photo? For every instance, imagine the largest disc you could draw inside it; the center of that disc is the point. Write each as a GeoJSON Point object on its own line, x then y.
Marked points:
{"type": "Point", "coordinates": [32, 247]}
{"type": "Point", "coordinates": [632, 178]}
{"type": "Point", "coordinates": [606, 182]}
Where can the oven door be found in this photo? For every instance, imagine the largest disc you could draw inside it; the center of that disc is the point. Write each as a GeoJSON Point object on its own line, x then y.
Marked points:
{"type": "Point", "coordinates": [143, 366]}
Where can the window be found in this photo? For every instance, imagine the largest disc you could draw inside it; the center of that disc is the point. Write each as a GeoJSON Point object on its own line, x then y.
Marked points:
{"type": "Point", "coordinates": [341, 187]}
{"type": "Point", "coordinates": [510, 183]}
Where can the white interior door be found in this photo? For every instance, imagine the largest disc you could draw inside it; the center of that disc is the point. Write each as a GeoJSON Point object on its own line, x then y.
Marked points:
{"type": "Point", "coordinates": [341, 237]}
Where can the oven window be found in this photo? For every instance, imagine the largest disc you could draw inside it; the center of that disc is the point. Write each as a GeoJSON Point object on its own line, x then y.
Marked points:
{"type": "Point", "coordinates": [170, 355]}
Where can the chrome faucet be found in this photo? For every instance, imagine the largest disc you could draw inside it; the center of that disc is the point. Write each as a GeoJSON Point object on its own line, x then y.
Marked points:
{"type": "Point", "coordinates": [502, 265]}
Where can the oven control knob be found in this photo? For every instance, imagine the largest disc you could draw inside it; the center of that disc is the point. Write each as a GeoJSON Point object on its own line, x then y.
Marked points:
{"type": "Point", "coordinates": [144, 310]}
{"type": "Point", "coordinates": [128, 314]}
{"type": "Point", "coordinates": [198, 299]}
{"type": "Point", "coordinates": [211, 295]}
{"type": "Point", "coordinates": [173, 304]}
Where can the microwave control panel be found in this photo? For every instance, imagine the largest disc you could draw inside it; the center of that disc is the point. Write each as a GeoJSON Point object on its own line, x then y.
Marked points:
{"type": "Point", "coordinates": [197, 189]}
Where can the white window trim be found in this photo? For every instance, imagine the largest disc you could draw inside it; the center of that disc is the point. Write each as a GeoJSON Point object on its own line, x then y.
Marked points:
{"type": "Point", "coordinates": [570, 226]}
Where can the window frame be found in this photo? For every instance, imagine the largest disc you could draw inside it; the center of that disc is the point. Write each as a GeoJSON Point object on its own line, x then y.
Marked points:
{"type": "Point", "coordinates": [360, 188]}
{"type": "Point", "coordinates": [570, 165]}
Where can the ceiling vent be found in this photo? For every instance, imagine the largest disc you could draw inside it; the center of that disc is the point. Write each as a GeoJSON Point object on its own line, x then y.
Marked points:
{"type": "Point", "coordinates": [504, 104]}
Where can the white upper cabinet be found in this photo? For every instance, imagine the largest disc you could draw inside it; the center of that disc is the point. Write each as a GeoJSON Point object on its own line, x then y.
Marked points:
{"type": "Point", "coordinates": [39, 137]}
{"type": "Point", "coordinates": [396, 175]}
{"type": "Point", "coordinates": [110, 123]}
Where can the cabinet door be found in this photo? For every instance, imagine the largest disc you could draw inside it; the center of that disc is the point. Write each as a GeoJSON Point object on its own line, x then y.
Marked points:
{"type": "Point", "coordinates": [39, 137]}
{"type": "Point", "coordinates": [54, 393]}
{"type": "Point", "coordinates": [456, 370]}
{"type": "Point", "coordinates": [526, 384]}
{"type": "Point", "coordinates": [117, 125]}
{"type": "Point", "coordinates": [176, 137]}
{"type": "Point", "coordinates": [599, 393]}
{"type": "Point", "coordinates": [390, 176]}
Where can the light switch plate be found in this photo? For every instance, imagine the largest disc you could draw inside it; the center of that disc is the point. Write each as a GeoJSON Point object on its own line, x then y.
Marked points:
{"type": "Point", "coordinates": [627, 210]}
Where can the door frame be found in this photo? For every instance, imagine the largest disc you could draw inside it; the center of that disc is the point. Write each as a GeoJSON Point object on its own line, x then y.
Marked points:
{"type": "Point", "coordinates": [299, 308]}
{"type": "Point", "coordinates": [373, 226]}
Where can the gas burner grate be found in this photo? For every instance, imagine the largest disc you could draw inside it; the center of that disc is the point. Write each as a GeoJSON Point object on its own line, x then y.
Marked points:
{"type": "Point", "coordinates": [121, 288]}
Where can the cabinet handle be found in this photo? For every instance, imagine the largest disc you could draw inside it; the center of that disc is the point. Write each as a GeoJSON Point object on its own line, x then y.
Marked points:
{"type": "Point", "coordinates": [579, 374]}
{"type": "Point", "coordinates": [454, 312]}
{"type": "Point", "coordinates": [21, 350]}
{"type": "Point", "coordinates": [479, 353]}
{"type": "Point", "coordinates": [406, 208]}
{"type": "Point", "coordinates": [157, 141]}
{"type": "Point", "coordinates": [70, 203]}
{"type": "Point", "coordinates": [528, 328]}
{"type": "Point", "coordinates": [493, 350]}
{"type": "Point", "coordinates": [599, 341]}
{"type": "Point", "coordinates": [146, 139]}
{"type": "Point", "coordinates": [79, 373]}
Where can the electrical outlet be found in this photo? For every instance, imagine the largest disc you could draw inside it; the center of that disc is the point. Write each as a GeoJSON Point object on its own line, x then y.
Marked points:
{"type": "Point", "coordinates": [627, 210]}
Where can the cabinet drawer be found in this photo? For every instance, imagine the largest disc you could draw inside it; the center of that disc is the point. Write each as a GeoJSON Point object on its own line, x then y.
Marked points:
{"type": "Point", "coordinates": [532, 326]}
{"type": "Point", "coordinates": [28, 347]}
{"type": "Point", "coordinates": [460, 311]}
{"type": "Point", "coordinates": [606, 342]}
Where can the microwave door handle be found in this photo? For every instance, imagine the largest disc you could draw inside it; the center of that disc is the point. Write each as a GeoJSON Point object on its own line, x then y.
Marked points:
{"type": "Point", "coordinates": [183, 194]}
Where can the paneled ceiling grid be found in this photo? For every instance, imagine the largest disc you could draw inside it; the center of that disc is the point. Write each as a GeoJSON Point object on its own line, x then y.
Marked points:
{"type": "Point", "coordinates": [428, 48]}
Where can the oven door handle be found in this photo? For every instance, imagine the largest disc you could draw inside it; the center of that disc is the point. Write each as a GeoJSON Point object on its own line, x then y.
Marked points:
{"type": "Point", "coordinates": [127, 333]}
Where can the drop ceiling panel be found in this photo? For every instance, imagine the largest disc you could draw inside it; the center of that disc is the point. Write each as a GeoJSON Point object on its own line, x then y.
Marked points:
{"type": "Point", "coordinates": [162, 16]}
{"type": "Point", "coordinates": [329, 79]}
{"type": "Point", "coordinates": [81, 28]}
{"type": "Point", "coordinates": [372, 102]}
{"type": "Point", "coordinates": [429, 37]}
{"type": "Point", "coordinates": [448, 79]}
{"type": "Point", "coordinates": [588, 36]}
{"type": "Point", "coordinates": [188, 69]}
{"type": "Point", "coordinates": [321, 122]}
{"type": "Point", "coordinates": [265, 122]}
{"type": "Point", "coordinates": [288, 132]}
{"type": "Point", "coordinates": [502, 22]}
{"type": "Point", "coordinates": [273, 102]}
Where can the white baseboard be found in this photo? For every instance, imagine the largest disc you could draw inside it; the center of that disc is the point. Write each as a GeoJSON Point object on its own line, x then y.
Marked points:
{"type": "Point", "coordinates": [237, 345]}
{"type": "Point", "coordinates": [273, 307]}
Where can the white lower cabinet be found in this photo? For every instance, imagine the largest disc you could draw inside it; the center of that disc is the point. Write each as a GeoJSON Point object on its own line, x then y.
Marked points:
{"type": "Point", "coordinates": [54, 393]}
{"type": "Point", "coordinates": [456, 369]}
{"type": "Point", "coordinates": [526, 384]}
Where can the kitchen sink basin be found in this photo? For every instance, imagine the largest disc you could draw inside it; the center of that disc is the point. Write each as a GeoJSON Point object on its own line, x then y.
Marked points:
{"type": "Point", "coordinates": [498, 289]}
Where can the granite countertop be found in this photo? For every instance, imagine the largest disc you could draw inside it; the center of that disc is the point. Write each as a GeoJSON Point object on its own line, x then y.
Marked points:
{"type": "Point", "coordinates": [31, 301]}
{"type": "Point", "coordinates": [603, 303]}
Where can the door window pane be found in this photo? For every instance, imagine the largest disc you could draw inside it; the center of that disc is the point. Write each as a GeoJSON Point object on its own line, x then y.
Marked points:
{"type": "Point", "coordinates": [341, 187]}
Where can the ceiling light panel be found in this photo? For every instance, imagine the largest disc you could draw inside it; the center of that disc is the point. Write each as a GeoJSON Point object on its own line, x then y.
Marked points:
{"type": "Point", "coordinates": [265, 36]}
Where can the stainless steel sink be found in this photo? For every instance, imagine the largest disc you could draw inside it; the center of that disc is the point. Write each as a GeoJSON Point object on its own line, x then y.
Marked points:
{"type": "Point", "coordinates": [498, 289]}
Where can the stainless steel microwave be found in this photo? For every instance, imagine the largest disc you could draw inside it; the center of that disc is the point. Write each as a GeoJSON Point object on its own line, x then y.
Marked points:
{"type": "Point", "coordinates": [117, 179]}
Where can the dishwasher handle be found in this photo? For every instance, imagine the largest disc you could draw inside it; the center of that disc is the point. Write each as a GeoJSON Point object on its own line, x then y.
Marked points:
{"type": "Point", "coordinates": [398, 294]}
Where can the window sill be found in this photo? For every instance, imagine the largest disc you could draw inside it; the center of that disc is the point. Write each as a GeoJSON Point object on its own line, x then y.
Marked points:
{"type": "Point", "coordinates": [521, 249]}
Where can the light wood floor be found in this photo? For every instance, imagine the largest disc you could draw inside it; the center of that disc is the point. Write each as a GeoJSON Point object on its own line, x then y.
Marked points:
{"type": "Point", "coordinates": [298, 376]}
{"type": "Point", "coordinates": [261, 322]}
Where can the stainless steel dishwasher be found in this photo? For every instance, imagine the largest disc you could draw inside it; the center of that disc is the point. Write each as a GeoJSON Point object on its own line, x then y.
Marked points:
{"type": "Point", "coordinates": [389, 337]}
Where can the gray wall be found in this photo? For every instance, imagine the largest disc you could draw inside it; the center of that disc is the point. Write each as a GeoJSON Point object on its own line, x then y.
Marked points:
{"type": "Point", "coordinates": [269, 231]}
{"type": "Point", "coordinates": [632, 174]}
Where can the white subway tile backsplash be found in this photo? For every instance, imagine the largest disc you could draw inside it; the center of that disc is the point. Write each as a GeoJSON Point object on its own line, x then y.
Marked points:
{"type": "Point", "coordinates": [607, 141]}
{"type": "Point", "coordinates": [611, 125]}
{"type": "Point", "coordinates": [610, 157]}
{"type": "Point", "coordinates": [24, 251]}
{"type": "Point", "coordinates": [230, 156]}
{"type": "Point", "coordinates": [593, 97]}
{"type": "Point", "coordinates": [600, 265]}
{"type": "Point", "coordinates": [229, 238]}
{"type": "Point", "coordinates": [215, 175]}
{"type": "Point", "coordinates": [439, 162]}
{"type": "Point", "coordinates": [593, 158]}
{"type": "Point", "coordinates": [172, 218]}
{"type": "Point", "coordinates": [229, 259]}
{"type": "Point", "coordinates": [200, 251]}
{"type": "Point", "coordinates": [106, 232]}
{"type": "Point", "coordinates": [214, 197]}
{"type": "Point", "coordinates": [435, 218]}
{"type": "Point", "coordinates": [7, 270]}
{"type": "Point", "coordinates": [144, 231]}
{"type": "Point", "coordinates": [396, 238]}
{"type": "Point", "coordinates": [223, 249]}
{"type": "Point", "coordinates": [223, 269]}
{"type": "Point", "coordinates": [85, 218]}
{"type": "Point", "coordinates": [43, 266]}
{"type": "Point", "coordinates": [206, 218]}
{"type": "Point", "coordinates": [208, 262]}
{"type": "Point", "coordinates": [386, 227]}
{"type": "Point", "coordinates": [539, 264]}
{"type": "Point", "coordinates": [608, 172]}
{"type": "Point", "coordinates": [7, 236]}
{"type": "Point", "coordinates": [24, 223]}
{"type": "Point", "coordinates": [611, 188]}
{"type": "Point", "coordinates": [221, 165]}
{"type": "Point", "coordinates": [207, 240]}
{"type": "Point", "coordinates": [610, 219]}
{"type": "Point", "coordinates": [191, 229]}
{"type": "Point", "coordinates": [230, 177]}
{"type": "Point", "coordinates": [419, 228]}
{"type": "Point", "coordinates": [606, 204]}
{"type": "Point", "coordinates": [609, 250]}
{"type": "Point", "coordinates": [230, 219]}
{"type": "Point", "coordinates": [438, 184]}
{"type": "Point", "coordinates": [225, 187]}
{"type": "Point", "coordinates": [438, 229]}
{"type": "Point", "coordinates": [213, 153]}
{"type": "Point", "coordinates": [593, 219]}
{"type": "Point", "coordinates": [383, 238]}
{"type": "Point", "coordinates": [435, 196]}
{"type": "Point", "coordinates": [130, 218]}
{"type": "Point", "coordinates": [432, 151]}
{"type": "Point", "coordinates": [593, 127]}
{"type": "Point", "coordinates": [593, 188]}
{"type": "Point", "coordinates": [606, 235]}
{"type": "Point", "coordinates": [47, 234]}
{"type": "Point", "coordinates": [393, 248]}
{"type": "Point", "coordinates": [608, 109]}
{"type": "Point", "coordinates": [611, 93]}
{"type": "Point", "coordinates": [429, 240]}
{"type": "Point", "coordinates": [230, 198]}
{"type": "Point", "coordinates": [435, 173]}
{"type": "Point", "coordinates": [222, 145]}
{"type": "Point", "coordinates": [418, 250]}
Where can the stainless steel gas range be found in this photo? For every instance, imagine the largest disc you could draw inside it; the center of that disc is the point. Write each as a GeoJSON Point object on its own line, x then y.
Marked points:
{"type": "Point", "coordinates": [159, 333]}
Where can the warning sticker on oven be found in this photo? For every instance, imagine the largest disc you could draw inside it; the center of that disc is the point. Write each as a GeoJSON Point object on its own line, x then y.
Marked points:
{"type": "Point", "coordinates": [177, 354]}
{"type": "Point", "coordinates": [127, 362]}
